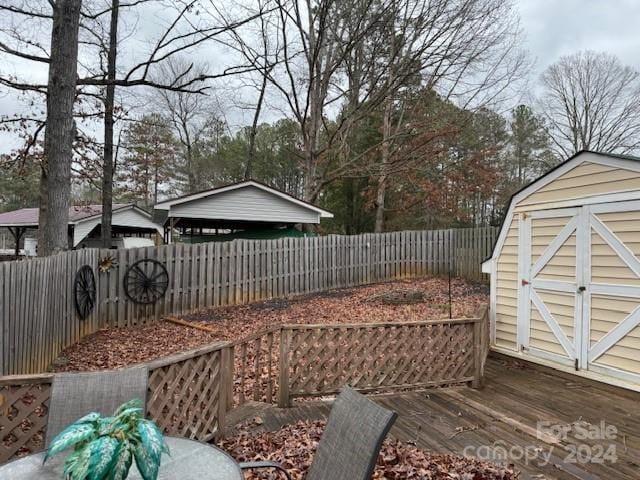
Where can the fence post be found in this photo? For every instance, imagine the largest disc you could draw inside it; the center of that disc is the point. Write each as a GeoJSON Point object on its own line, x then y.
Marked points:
{"type": "Point", "coordinates": [225, 396]}
{"type": "Point", "coordinates": [477, 353]}
{"type": "Point", "coordinates": [480, 345]}
{"type": "Point", "coordinates": [283, 383]}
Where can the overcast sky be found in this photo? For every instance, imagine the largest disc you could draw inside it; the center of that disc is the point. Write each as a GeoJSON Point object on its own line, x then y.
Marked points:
{"type": "Point", "coordinates": [551, 28]}
{"type": "Point", "coordinates": [554, 28]}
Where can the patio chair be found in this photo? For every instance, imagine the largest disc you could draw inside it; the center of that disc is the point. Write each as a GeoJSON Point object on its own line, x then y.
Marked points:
{"type": "Point", "coordinates": [73, 395]}
{"type": "Point", "coordinates": [351, 441]}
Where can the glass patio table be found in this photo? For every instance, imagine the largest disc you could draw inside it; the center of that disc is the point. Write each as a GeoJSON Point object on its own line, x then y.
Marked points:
{"type": "Point", "coordinates": [189, 460]}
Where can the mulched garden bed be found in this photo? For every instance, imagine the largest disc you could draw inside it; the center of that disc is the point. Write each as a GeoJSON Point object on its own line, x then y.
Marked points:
{"type": "Point", "coordinates": [294, 445]}
{"type": "Point", "coordinates": [407, 300]}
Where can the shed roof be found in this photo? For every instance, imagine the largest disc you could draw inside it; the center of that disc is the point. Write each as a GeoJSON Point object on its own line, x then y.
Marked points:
{"type": "Point", "coordinates": [539, 182]}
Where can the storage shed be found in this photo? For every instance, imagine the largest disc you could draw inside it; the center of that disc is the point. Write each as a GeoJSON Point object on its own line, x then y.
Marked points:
{"type": "Point", "coordinates": [565, 270]}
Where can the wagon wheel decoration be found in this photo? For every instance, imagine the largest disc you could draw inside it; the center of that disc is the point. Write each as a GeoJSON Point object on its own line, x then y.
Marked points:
{"type": "Point", "coordinates": [84, 291]}
{"type": "Point", "coordinates": [146, 281]}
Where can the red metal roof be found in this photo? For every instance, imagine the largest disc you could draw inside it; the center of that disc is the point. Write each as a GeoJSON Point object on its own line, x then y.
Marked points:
{"type": "Point", "coordinates": [29, 216]}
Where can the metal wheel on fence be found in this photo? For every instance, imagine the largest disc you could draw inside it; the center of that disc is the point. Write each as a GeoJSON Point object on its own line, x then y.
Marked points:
{"type": "Point", "coordinates": [146, 281]}
{"type": "Point", "coordinates": [84, 291]}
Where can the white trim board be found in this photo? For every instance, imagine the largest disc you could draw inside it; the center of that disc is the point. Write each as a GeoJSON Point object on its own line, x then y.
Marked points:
{"type": "Point", "coordinates": [619, 196]}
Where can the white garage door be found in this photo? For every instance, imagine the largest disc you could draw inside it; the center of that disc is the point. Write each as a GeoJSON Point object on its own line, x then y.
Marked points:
{"type": "Point", "coordinates": [579, 294]}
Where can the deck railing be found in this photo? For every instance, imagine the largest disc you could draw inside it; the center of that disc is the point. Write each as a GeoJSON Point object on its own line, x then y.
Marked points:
{"type": "Point", "coordinates": [191, 393]}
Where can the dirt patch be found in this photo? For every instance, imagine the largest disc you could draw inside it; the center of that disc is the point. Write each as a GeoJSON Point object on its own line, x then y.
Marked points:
{"type": "Point", "coordinates": [400, 296]}
{"type": "Point", "coordinates": [118, 347]}
{"type": "Point", "coordinates": [294, 446]}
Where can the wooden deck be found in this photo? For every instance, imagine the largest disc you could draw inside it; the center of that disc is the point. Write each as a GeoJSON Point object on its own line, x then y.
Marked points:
{"type": "Point", "coordinates": [505, 415]}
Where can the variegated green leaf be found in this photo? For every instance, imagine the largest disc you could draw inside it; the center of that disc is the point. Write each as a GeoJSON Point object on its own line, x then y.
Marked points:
{"type": "Point", "coordinates": [129, 414]}
{"type": "Point", "coordinates": [89, 417]}
{"type": "Point", "coordinates": [76, 466]}
{"type": "Point", "coordinates": [133, 403]}
{"type": "Point", "coordinates": [121, 466]}
{"type": "Point", "coordinates": [71, 436]}
{"type": "Point", "coordinates": [113, 426]}
{"type": "Point", "coordinates": [147, 465]}
{"type": "Point", "coordinates": [151, 439]}
{"type": "Point", "coordinates": [104, 452]}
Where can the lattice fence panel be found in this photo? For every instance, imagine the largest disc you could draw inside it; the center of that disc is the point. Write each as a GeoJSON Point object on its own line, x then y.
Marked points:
{"type": "Point", "coordinates": [184, 397]}
{"type": "Point", "coordinates": [379, 357]}
{"type": "Point", "coordinates": [23, 418]}
{"type": "Point", "coordinates": [256, 367]}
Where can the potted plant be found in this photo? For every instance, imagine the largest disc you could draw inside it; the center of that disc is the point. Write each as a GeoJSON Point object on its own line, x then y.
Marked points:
{"type": "Point", "coordinates": [105, 447]}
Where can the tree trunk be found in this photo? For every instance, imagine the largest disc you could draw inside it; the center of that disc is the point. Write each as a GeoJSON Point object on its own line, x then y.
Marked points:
{"type": "Point", "coordinates": [42, 198]}
{"type": "Point", "coordinates": [60, 129]}
{"type": "Point", "coordinates": [385, 152]}
{"type": "Point", "coordinates": [254, 130]}
{"type": "Point", "coordinates": [107, 167]}
{"type": "Point", "coordinates": [350, 221]}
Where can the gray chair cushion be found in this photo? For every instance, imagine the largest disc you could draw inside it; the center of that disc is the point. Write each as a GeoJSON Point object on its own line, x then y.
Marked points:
{"type": "Point", "coordinates": [352, 438]}
{"type": "Point", "coordinates": [73, 395]}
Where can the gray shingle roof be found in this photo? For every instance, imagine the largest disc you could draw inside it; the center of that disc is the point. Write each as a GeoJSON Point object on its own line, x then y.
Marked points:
{"type": "Point", "coordinates": [29, 216]}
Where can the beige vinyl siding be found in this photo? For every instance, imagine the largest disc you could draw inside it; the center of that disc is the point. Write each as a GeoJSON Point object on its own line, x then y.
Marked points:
{"type": "Point", "coordinates": [606, 313]}
{"type": "Point", "coordinates": [562, 307]}
{"type": "Point", "coordinates": [541, 336]}
{"type": "Point", "coordinates": [607, 266]}
{"type": "Point", "coordinates": [507, 290]}
{"type": "Point", "coordinates": [621, 357]}
{"type": "Point", "coordinates": [562, 266]}
{"type": "Point", "coordinates": [586, 179]}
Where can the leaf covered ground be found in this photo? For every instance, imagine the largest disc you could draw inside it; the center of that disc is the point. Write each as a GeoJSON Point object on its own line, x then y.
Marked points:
{"type": "Point", "coordinates": [294, 445]}
{"type": "Point", "coordinates": [406, 300]}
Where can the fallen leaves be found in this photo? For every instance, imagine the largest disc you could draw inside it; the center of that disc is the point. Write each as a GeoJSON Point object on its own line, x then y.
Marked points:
{"type": "Point", "coordinates": [119, 347]}
{"type": "Point", "coordinates": [294, 446]}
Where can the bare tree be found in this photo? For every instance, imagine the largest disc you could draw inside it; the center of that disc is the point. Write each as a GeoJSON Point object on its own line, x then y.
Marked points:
{"type": "Point", "coordinates": [97, 83]}
{"type": "Point", "coordinates": [109, 103]}
{"type": "Point", "coordinates": [333, 65]}
{"type": "Point", "coordinates": [592, 102]}
{"type": "Point", "coordinates": [189, 113]}
{"type": "Point", "coordinates": [60, 129]}
{"type": "Point", "coordinates": [466, 52]}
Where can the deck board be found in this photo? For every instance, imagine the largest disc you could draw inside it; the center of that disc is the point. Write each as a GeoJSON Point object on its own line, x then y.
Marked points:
{"type": "Point", "coordinates": [516, 396]}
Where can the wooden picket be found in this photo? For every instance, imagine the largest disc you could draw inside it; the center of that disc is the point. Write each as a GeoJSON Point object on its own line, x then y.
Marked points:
{"type": "Point", "coordinates": [38, 317]}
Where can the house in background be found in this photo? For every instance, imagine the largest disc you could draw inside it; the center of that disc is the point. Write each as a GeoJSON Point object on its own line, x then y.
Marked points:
{"type": "Point", "coordinates": [247, 209]}
{"type": "Point", "coordinates": [84, 226]}
{"type": "Point", "coordinates": [565, 270]}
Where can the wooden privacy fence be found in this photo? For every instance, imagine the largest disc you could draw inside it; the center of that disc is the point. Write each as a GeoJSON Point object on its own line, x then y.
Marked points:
{"type": "Point", "coordinates": [38, 317]}
{"type": "Point", "coordinates": [190, 394]}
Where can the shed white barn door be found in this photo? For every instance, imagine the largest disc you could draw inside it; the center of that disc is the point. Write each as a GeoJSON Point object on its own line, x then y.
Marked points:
{"type": "Point", "coordinates": [552, 286]}
{"type": "Point", "coordinates": [613, 308]}
{"type": "Point", "coordinates": [579, 295]}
